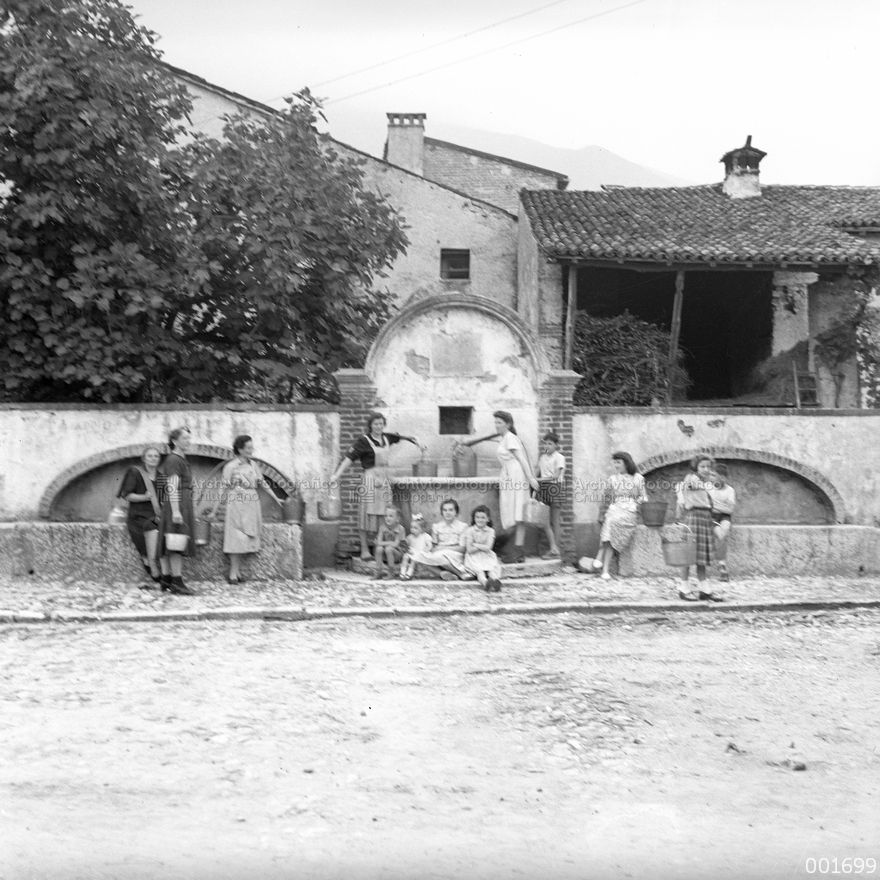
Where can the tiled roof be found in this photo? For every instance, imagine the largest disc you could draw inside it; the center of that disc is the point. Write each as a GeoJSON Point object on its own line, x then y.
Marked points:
{"type": "Point", "coordinates": [700, 224]}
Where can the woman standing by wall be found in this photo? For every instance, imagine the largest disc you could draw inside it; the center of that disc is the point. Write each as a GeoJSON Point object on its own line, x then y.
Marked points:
{"type": "Point", "coordinates": [175, 477]}
{"type": "Point", "coordinates": [515, 480]}
{"type": "Point", "coordinates": [372, 450]}
{"type": "Point", "coordinates": [139, 489]}
{"type": "Point", "coordinates": [626, 490]}
{"type": "Point", "coordinates": [695, 504]}
{"type": "Point", "coordinates": [243, 525]}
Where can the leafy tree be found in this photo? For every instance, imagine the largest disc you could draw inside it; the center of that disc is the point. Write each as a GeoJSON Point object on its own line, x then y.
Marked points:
{"type": "Point", "coordinates": [94, 243]}
{"type": "Point", "coordinates": [292, 242]}
{"type": "Point", "coordinates": [136, 269]}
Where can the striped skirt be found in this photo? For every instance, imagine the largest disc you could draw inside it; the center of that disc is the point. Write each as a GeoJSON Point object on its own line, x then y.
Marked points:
{"type": "Point", "coordinates": [699, 521]}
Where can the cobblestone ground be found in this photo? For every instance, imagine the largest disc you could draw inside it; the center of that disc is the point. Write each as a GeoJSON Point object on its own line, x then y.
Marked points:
{"type": "Point", "coordinates": [572, 746]}
{"type": "Point", "coordinates": [342, 589]}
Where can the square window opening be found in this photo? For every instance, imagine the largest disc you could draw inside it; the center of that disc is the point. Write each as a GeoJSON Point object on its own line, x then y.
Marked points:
{"type": "Point", "coordinates": [455, 265]}
{"type": "Point", "coordinates": [456, 419]}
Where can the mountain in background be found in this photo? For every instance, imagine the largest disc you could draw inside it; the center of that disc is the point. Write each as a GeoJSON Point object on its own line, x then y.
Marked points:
{"type": "Point", "coordinates": [587, 168]}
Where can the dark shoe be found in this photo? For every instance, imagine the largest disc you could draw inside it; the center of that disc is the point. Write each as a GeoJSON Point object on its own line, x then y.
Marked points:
{"type": "Point", "coordinates": [179, 588]}
{"type": "Point", "coordinates": [165, 583]}
{"type": "Point", "coordinates": [232, 580]}
{"type": "Point", "coordinates": [709, 597]}
{"type": "Point", "coordinates": [688, 597]}
{"type": "Point", "coordinates": [493, 585]}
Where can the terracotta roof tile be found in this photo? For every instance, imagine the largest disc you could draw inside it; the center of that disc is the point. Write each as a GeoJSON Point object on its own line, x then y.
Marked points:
{"type": "Point", "coordinates": [785, 224]}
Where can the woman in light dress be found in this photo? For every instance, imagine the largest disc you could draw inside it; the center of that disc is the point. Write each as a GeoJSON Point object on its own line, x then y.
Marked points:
{"type": "Point", "coordinates": [516, 479]}
{"type": "Point", "coordinates": [448, 550]}
{"type": "Point", "coordinates": [243, 526]}
{"type": "Point", "coordinates": [626, 490]}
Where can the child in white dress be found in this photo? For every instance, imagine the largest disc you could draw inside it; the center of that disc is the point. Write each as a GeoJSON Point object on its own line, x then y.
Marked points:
{"type": "Point", "coordinates": [418, 543]}
{"type": "Point", "coordinates": [479, 558]}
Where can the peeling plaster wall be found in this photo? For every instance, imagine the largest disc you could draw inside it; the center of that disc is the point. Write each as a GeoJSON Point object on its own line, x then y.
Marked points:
{"type": "Point", "coordinates": [436, 219]}
{"type": "Point", "coordinates": [457, 357]}
{"type": "Point", "coordinates": [829, 298]}
{"type": "Point", "coordinates": [841, 447]}
{"type": "Point", "coordinates": [42, 442]}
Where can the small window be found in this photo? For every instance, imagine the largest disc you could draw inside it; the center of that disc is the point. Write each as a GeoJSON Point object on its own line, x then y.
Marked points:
{"type": "Point", "coordinates": [455, 265]}
{"type": "Point", "coordinates": [456, 419]}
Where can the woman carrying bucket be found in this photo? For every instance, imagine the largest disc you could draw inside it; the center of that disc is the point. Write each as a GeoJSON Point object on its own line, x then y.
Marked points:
{"type": "Point", "coordinates": [695, 504]}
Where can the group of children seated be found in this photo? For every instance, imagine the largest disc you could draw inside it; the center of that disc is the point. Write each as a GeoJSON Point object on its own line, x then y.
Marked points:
{"type": "Point", "coordinates": [476, 558]}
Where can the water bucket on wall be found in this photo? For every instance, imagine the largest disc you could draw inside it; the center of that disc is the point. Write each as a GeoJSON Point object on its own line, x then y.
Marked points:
{"type": "Point", "coordinates": [293, 509]}
{"type": "Point", "coordinates": [464, 462]}
{"type": "Point", "coordinates": [202, 532]}
{"type": "Point", "coordinates": [330, 508]}
{"type": "Point", "coordinates": [425, 467]}
{"type": "Point", "coordinates": [679, 545]}
{"type": "Point", "coordinates": [653, 513]}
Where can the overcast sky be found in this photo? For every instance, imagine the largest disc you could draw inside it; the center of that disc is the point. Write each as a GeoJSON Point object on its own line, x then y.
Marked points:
{"type": "Point", "coordinates": [671, 84]}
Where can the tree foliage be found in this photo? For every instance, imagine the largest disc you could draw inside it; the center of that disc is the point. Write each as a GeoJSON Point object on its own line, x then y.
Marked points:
{"type": "Point", "coordinates": [136, 269]}
{"type": "Point", "coordinates": [623, 361]}
{"type": "Point", "coordinates": [292, 242]}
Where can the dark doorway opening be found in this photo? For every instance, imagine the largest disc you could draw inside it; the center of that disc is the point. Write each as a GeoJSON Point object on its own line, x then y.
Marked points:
{"type": "Point", "coordinates": [726, 321]}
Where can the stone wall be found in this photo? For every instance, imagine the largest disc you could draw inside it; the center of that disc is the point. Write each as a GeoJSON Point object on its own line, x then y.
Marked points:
{"type": "Point", "coordinates": [834, 450]}
{"type": "Point", "coordinates": [49, 446]}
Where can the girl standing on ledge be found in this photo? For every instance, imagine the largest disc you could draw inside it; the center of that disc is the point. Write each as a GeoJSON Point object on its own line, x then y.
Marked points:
{"type": "Point", "coordinates": [374, 494]}
{"type": "Point", "coordinates": [516, 478]}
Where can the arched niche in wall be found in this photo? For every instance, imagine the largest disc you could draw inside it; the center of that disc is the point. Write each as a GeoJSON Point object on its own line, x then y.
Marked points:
{"type": "Point", "coordinates": [770, 489]}
{"type": "Point", "coordinates": [443, 364]}
{"type": "Point", "coordinates": [86, 491]}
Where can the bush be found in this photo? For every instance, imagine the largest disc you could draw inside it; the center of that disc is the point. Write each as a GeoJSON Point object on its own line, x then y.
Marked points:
{"type": "Point", "coordinates": [624, 362]}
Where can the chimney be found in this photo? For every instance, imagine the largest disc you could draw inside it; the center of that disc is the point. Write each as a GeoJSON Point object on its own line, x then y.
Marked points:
{"type": "Point", "coordinates": [405, 145]}
{"type": "Point", "coordinates": [741, 171]}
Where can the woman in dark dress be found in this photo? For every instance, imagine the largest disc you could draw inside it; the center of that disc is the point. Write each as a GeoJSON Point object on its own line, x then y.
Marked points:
{"type": "Point", "coordinates": [139, 489]}
{"type": "Point", "coordinates": [177, 511]}
{"type": "Point", "coordinates": [371, 450]}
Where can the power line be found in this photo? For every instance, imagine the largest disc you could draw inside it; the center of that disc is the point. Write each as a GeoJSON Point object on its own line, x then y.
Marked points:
{"type": "Point", "coordinates": [485, 52]}
{"type": "Point", "coordinates": [446, 42]}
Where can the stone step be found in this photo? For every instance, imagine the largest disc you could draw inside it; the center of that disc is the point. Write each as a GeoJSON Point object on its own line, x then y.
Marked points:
{"type": "Point", "coordinates": [533, 567]}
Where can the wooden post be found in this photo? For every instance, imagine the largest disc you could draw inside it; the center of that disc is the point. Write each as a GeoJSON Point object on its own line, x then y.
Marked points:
{"type": "Point", "coordinates": [570, 311]}
{"type": "Point", "coordinates": [676, 328]}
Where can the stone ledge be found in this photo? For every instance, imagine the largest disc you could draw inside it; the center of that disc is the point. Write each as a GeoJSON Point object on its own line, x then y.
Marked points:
{"type": "Point", "coordinates": [531, 568]}
{"type": "Point", "coordinates": [772, 550]}
{"type": "Point", "coordinates": [103, 553]}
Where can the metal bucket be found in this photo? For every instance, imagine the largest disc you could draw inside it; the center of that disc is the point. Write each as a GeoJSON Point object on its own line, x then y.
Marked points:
{"type": "Point", "coordinates": [653, 513]}
{"type": "Point", "coordinates": [679, 545]}
{"type": "Point", "coordinates": [330, 509]}
{"type": "Point", "coordinates": [176, 542]}
{"type": "Point", "coordinates": [293, 510]}
{"type": "Point", "coordinates": [425, 468]}
{"type": "Point", "coordinates": [202, 532]}
{"type": "Point", "coordinates": [464, 462]}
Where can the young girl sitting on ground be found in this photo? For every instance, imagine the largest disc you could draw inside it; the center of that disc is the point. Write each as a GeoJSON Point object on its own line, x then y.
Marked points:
{"type": "Point", "coordinates": [479, 557]}
{"type": "Point", "coordinates": [418, 543]}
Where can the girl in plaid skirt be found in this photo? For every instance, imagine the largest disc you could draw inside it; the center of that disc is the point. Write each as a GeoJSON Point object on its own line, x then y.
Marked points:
{"type": "Point", "coordinates": [696, 505]}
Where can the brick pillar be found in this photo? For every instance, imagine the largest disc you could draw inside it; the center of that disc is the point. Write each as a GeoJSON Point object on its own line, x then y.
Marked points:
{"type": "Point", "coordinates": [556, 415]}
{"type": "Point", "coordinates": [357, 398]}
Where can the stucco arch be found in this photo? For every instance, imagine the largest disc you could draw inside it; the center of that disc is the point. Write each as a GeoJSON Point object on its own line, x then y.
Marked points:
{"type": "Point", "coordinates": [736, 453]}
{"type": "Point", "coordinates": [482, 304]}
{"type": "Point", "coordinates": [108, 456]}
